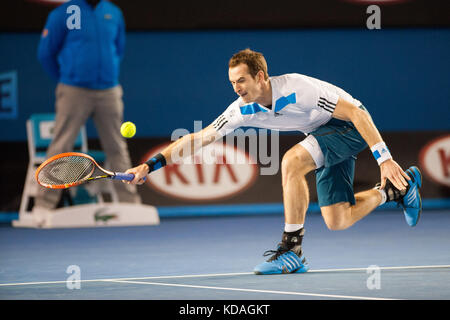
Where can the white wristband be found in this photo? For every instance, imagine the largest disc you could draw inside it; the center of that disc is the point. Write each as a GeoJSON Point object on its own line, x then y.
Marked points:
{"type": "Point", "coordinates": [381, 152]}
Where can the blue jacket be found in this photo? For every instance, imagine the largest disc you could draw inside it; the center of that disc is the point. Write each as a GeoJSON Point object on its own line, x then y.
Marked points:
{"type": "Point", "coordinates": [87, 57]}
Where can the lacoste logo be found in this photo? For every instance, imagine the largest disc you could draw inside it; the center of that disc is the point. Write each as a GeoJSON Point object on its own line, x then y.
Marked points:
{"type": "Point", "coordinates": [101, 215]}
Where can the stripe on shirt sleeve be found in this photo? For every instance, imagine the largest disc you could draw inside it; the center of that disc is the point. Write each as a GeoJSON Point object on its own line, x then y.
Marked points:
{"type": "Point", "coordinates": [221, 125]}
{"type": "Point", "coordinates": [326, 105]}
{"type": "Point", "coordinates": [219, 122]}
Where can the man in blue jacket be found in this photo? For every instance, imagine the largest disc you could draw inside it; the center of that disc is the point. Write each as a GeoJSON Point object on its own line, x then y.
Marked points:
{"type": "Point", "coordinates": [81, 47]}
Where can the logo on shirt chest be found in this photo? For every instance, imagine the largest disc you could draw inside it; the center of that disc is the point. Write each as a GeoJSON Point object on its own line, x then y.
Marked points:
{"type": "Point", "coordinates": [282, 102]}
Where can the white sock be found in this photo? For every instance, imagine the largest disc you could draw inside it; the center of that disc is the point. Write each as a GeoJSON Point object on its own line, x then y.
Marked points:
{"type": "Point", "coordinates": [292, 227]}
{"type": "Point", "coordinates": [383, 195]}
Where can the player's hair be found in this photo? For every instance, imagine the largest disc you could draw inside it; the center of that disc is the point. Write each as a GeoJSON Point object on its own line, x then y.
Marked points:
{"type": "Point", "coordinates": [255, 62]}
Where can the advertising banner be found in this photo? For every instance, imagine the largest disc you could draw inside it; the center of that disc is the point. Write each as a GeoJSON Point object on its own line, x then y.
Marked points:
{"type": "Point", "coordinates": [237, 174]}
{"type": "Point", "coordinates": [233, 173]}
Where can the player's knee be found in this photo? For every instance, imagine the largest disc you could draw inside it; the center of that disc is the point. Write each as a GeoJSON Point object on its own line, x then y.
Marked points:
{"type": "Point", "coordinates": [336, 225]}
{"type": "Point", "coordinates": [336, 218]}
{"type": "Point", "coordinates": [293, 163]}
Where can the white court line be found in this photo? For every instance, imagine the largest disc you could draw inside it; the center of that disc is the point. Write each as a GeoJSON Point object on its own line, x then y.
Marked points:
{"type": "Point", "coordinates": [252, 290]}
{"type": "Point", "coordinates": [219, 274]}
{"type": "Point", "coordinates": [383, 268]}
{"type": "Point", "coordinates": [126, 279]}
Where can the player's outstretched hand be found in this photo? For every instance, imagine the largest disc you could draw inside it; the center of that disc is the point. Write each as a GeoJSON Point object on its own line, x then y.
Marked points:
{"type": "Point", "coordinates": [140, 173]}
{"type": "Point", "coordinates": [391, 170]}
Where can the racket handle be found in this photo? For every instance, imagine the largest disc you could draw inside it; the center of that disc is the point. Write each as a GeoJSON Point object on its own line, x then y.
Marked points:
{"type": "Point", "coordinates": [124, 176]}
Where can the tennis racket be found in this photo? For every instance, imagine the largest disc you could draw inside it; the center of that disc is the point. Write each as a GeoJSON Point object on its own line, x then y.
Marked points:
{"type": "Point", "coordinates": [71, 169]}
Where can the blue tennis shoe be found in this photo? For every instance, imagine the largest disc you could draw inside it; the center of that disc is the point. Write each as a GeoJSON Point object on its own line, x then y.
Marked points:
{"type": "Point", "coordinates": [287, 262]}
{"type": "Point", "coordinates": [412, 202]}
{"type": "Point", "coordinates": [409, 199]}
{"type": "Point", "coordinates": [287, 258]}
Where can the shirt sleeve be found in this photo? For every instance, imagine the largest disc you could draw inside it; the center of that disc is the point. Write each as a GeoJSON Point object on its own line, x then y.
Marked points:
{"type": "Point", "coordinates": [51, 42]}
{"type": "Point", "coordinates": [327, 101]}
{"type": "Point", "coordinates": [317, 96]}
{"type": "Point", "coordinates": [229, 120]}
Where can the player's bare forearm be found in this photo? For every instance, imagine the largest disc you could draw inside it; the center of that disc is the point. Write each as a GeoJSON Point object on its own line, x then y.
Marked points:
{"type": "Point", "coordinates": [189, 144]}
{"type": "Point", "coordinates": [363, 123]}
{"type": "Point", "coordinates": [361, 119]}
{"type": "Point", "coordinates": [177, 150]}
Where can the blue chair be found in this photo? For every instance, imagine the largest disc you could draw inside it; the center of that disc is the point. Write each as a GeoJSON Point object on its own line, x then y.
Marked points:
{"type": "Point", "coordinates": [40, 135]}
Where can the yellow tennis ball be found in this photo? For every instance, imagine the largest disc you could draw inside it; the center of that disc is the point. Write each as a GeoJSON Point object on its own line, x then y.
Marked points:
{"type": "Point", "coordinates": [128, 129]}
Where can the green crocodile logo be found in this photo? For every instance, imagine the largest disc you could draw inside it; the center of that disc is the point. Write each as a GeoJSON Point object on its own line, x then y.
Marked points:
{"type": "Point", "coordinates": [102, 215]}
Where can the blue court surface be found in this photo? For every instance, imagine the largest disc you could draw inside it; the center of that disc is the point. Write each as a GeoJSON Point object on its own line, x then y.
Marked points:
{"type": "Point", "coordinates": [212, 258]}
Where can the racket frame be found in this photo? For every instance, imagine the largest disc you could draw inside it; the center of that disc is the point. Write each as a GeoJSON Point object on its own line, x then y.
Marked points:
{"type": "Point", "coordinates": [107, 173]}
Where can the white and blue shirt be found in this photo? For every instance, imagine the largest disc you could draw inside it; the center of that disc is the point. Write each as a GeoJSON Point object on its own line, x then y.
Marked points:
{"type": "Point", "coordinates": [299, 103]}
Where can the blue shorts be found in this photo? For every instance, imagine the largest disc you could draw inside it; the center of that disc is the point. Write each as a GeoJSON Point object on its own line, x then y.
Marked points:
{"type": "Point", "coordinates": [340, 142]}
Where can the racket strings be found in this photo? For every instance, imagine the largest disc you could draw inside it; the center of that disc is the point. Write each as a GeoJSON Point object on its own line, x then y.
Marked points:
{"type": "Point", "coordinates": [66, 170]}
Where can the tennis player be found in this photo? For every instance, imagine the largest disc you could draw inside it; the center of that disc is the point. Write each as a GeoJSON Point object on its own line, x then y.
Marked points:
{"type": "Point", "coordinates": [337, 128]}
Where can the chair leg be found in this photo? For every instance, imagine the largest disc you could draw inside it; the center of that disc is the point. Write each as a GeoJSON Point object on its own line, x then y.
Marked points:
{"type": "Point", "coordinates": [29, 191]}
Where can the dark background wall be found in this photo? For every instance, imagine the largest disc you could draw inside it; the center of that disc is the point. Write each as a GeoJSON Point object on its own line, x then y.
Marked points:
{"type": "Point", "coordinates": [26, 15]}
